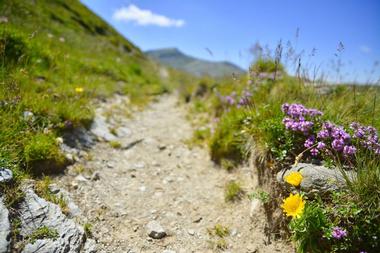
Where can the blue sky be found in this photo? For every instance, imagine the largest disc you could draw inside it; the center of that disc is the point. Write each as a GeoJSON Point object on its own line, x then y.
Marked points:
{"type": "Point", "coordinates": [230, 28]}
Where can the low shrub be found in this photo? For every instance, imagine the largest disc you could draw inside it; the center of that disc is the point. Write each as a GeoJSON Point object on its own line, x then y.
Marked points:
{"type": "Point", "coordinates": [263, 65]}
{"type": "Point", "coordinates": [42, 154]}
{"type": "Point", "coordinates": [227, 141]}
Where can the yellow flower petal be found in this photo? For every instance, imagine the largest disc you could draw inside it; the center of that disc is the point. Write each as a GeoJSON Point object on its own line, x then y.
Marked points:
{"type": "Point", "coordinates": [293, 205]}
{"type": "Point", "coordinates": [294, 178]}
{"type": "Point", "coordinates": [79, 89]}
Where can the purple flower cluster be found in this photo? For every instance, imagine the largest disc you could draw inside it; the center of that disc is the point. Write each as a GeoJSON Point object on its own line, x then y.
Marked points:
{"type": "Point", "coordinates": [230, 99]}
{"type": "Point", "coordinates": [233, 99]}
{"type": "Point", "coordinates": [245, 98]}
{"type": "Point", "coordinates": [338, 233]}
{"type": "Point", "coordinates": [326, 137]}
{"type": "Point", "coordinates": [299, 118]}
{"type": "Point", "coordinates": [336, 135]}
{"type": "Point", "coordinates": [367, 136]}
{"type": "Point", "coordinates": [299, 110]}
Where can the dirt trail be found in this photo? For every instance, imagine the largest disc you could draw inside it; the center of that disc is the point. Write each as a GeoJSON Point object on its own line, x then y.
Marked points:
{"type": "Point", "coordinates": [157, 177]}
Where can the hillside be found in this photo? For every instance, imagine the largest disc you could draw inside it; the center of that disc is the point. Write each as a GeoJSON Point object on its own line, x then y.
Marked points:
{"type": "Point", "coordinates": [178, 60]}
{"type": "Point", "coordinates": [56, 57]}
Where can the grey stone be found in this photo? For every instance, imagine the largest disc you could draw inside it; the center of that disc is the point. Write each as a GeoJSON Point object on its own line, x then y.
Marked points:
{"type": "Point", "coordinates": [90, 246]}
{"type": "Point", "coordinates": [35, 213]}
{"type": "Point", "coordinates": [73, 209]}
{"type": "Point", "coordinates": [123, 132]}
{"type": "Point", "coordinates": [168, 251]}
{"type": "Point", "coordinates": [54, 189]}
{"type": "Point", "coordinates": [161, 146]}
{"type": "Point", "coordinates": [255, 208]}
{"type": "Point", "coordinates": [316, 178]}
{"type": "Point", "coordinates": [100, 129]}
{"type": "Point", "coordinates": [69, 157]}
{"type": "Point", "coordinates": [6, 175]}
{"type": "Point", "coordinates": [78, 138]}
{"type": "Point", "coordinates": [28, 116]}
{"type": "Point", "coordinates": [110, 165]}
{"type": "Point", "coordinates": [155, 230]}
{"type": "Point", "coordinates": [3, 19]}
{"type": "Point", "coordinates": [95, 176]}
{"type": "Point", "coordinates": [5, 228]}
{"type": "Point", "coordinates": [80, 178]}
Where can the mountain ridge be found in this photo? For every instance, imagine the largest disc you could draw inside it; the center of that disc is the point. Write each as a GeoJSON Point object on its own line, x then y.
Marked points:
{"type": "Point", "coordinates": [175, 58]}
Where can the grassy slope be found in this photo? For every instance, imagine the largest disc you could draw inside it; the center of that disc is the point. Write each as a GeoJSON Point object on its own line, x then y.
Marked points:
{"type": "Point", "coordinates": [47, 50]}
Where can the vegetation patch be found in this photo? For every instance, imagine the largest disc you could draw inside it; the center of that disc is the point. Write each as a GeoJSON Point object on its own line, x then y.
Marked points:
{"type": "Point", "coordinates": [283, 120]}
{"type": "Point", "coordinates": [233, 191]}
{"type": "Point", "coordinates": [42, 154]}
{"type": "Point", "coordinates": [43, 233]}
{"type": "Point", "coordinates": [220, 232]}
{"type": "Point", "coordinates": [115, 144]}
{"type": "Point", "coordinates": [87, 227]}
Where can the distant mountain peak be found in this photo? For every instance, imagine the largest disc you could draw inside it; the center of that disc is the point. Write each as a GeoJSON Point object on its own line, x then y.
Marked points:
{"type": "Point", "coordinates": [175, 58]}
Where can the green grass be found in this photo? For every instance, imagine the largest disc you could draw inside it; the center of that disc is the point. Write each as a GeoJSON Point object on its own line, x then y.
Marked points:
{"type": "Point", "coordinates": [262, 121]}
{"type": "Point", "coordinates": [233, 191]}
{"type": "Point", "coordinates": [43, 233]}
{"type": "Point", "coordinates": [263, 65]}
{"type": "Point", "coordinates": [219, 230]}
{"type": "Point", "coordinates": [115, 144]}
{"type": "Point", "coordinates": [43, 154]}
{"type": "Point", "coordinates": [87, 227]}
{"type": "Point", "coordinates": [227, 142]}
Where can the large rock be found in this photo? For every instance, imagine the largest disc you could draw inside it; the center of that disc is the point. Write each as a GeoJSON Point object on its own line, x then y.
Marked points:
{"type": "Point", "coordinates": [316, 178]}
{"type": "Point", "coordinates": [100, 129]}
{"type": "Point", "coordinates": [6, 175]}
{"type": "Point", "coordinates": [5, 228]}
{"type": "Point", "coordinates": [35, 213]}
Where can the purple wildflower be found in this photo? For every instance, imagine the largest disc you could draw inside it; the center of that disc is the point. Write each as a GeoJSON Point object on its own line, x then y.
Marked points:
{"type": "Point", "coordinates": [367, 135]}
{"type": "Point", "coordinates": [323, 134]}
{"type": "Point", "coordinates": [349, 150]}
{"type": "Point", "coordinates": [321, 145]}
{"type": "Point", "coordinates": [339, 233]}
{"type": "Point", "coordinates": [338, 144]}
{"type": "Point", "coordinates": [230, 100]}
{"type": "Point", "coordinates": [309, 142]}
{"type": "Point", "coordinates": [314, 152]}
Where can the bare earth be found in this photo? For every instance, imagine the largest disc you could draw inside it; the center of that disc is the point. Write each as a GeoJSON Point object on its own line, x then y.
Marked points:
{"type": "Point", "coordinates": [158, 177]}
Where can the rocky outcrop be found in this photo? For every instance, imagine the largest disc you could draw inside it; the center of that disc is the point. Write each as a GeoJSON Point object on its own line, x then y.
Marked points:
{"type": "Point", "coordinates": [5, 228]}
{"type": "Point", "coordinates": [35, 212]}
{"type": "Point", "coordinates": [317, 178]}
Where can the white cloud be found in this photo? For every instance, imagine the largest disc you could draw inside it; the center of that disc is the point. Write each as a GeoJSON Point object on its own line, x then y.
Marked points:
{"type": "Point", "coordinates": [365, 49]}
{"type": "Point", "coordinates": [132, 13]}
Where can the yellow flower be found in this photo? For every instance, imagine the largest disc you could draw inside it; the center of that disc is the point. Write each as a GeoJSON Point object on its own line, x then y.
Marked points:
{"type": "Point", "coordinates": [294, 178]}
{"type": "Point", "coordinates": [79, 90]}
{"type": "Point", "coordinates": [293, 205]}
